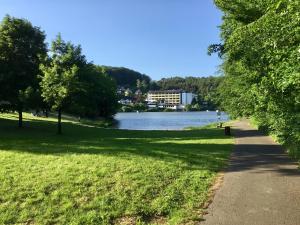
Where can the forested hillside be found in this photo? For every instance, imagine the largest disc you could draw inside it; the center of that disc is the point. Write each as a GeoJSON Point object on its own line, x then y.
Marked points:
{"type": "Point", "coordinates": [199, 85]}
{"type": "Point", "coordinates": [261, 53]}
{"type": "Point", "coordinates": [204, 87]}
{"type": "Point", "coordinates": [126, 77]}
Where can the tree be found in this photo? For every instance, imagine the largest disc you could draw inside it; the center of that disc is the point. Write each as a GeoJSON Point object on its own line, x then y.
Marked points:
{"type": "Point", "coordinates": [73, 85]}
{"type": "Point", "coordinates": [138, 84]}
{"type": "Point", "coordinates": [194, 101]}
{"type": "Point", "coordinates": [97, 95]}
{"type": "Point", "coordinates": [261, 64]}
{"type": "Point", "coordinates": [60, 75]}
{"type": "Point", "coordinates": [188, 108]}
{"type": "Point", "coordinates": [145, 86]}
{"type": "Point", "coordinates": [196, 107]}
{"type": "Point", "coordinates": [34, 100]}
{"type": "Point", "coordinates": [108, 103]}
{"type": "Point", "coordinates": [22, 49]}
{"type": "Point", "coordinates": [153, 86]}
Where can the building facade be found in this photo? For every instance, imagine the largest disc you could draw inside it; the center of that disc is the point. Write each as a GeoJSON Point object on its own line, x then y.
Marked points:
{"type": "Point", "coordinates": [176, 99]}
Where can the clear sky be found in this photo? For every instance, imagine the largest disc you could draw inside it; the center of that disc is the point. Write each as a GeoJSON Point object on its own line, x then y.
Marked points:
{"type": "Point", "coordinates": [160, 38]}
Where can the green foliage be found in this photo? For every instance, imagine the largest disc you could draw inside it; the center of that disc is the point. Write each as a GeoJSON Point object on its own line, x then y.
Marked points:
{"type": "Point", "coordinates": [97, 94]}
{"type": "Point", "coordinates": [168, 110]}
{"type": "Point", "coordinates": [34, 100]}
{"type": "Point", "coordinates": [142, 85]}
{"type": "Point", "coordinates": [67, 82]}
{"type": "Point", "coordinates": [126, 108]}
{"type": "Point", "coordinates": [197, 107]}
{"type": "Point", "coordinates": [22, 49]}
{"type": "Point", "coordinates": [57, 84]}
{"type": "Point", "coordinates": [261, 64]}
{"type": "Point", "coordinates": [103, 176]}
{"type": "Point", "coordinates": [244, 11]}
{"type": "Point", "coordinates": [108, 102]}
{"type": "Point", "coordinates": [192, 107]}
{"type": "Point", "coordinates": [60, 75]}
{"type": "Point", "coordinates": [134, 107]}
{"type": "Point", "coordinates": [71, 84]}
{"type": "Point", "coordinates": [139, 107]}
{"type": "Point", "coordinates": [153, 86]}
{"type": "Point", "coordinates": [216, 48]}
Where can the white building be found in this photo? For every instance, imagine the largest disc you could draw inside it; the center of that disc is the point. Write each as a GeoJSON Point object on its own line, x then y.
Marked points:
{"type": "Point", "coordinates": [175, 99]}
{"type": "Point", "coordinates": [187, 98]}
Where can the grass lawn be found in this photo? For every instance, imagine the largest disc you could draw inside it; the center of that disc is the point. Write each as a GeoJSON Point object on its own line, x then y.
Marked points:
{"type": "Point", "coordinates": [93, 175]}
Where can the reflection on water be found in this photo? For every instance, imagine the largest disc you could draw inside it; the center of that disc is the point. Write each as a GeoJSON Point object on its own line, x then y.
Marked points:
{"type": "Point", "coordinates": [166, 120]}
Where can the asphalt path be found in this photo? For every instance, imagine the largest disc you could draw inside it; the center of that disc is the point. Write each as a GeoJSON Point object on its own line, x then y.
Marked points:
{"type": "Point", "coordinates": [261, 185]}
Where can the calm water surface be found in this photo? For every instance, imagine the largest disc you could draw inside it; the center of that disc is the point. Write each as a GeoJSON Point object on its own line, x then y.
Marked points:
{"type": "Point", "coordinates": [166, 120]}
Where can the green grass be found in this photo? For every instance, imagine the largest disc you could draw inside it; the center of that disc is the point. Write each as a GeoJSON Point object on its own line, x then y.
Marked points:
{"type": "Point", "coordinates": [93, 175]}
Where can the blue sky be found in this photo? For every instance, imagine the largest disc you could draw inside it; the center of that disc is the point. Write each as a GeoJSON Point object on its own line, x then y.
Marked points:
{"type": "Point", "coordinates": [160, 38]}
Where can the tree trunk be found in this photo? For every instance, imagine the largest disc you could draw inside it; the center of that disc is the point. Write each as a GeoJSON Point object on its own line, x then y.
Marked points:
{"type": "Point", "coordinates": [20, 118]}
{"type": "Point", "coordinates": [59, 122]}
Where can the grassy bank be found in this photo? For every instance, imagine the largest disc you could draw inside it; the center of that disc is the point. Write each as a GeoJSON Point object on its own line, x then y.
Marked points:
{"type": "Point", "coordinates": [93, 175]}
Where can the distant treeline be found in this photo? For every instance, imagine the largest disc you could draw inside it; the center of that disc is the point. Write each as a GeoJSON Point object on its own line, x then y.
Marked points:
{"type": "Point", "coordinates": [128, 78]}
{"type": "Point", "coordinates": [200, 85]}
{"type": "Point", "coordinates": [204, 87]}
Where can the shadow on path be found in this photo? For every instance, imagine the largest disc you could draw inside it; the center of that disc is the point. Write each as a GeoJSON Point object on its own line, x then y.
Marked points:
{"type": "Point", "coordinates": [261, 184]}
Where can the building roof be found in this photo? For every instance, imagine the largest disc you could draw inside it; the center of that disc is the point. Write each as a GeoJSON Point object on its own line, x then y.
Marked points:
{"type": "Point", "coordinates": [166, 91]}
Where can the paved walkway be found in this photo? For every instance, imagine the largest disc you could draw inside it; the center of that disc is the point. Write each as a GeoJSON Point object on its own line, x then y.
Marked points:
{"type": "Point", "coordinates": [261, 185]}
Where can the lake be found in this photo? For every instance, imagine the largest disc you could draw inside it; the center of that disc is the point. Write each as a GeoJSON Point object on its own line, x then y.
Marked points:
{"type": "Point", "coordinates": [166, 120]}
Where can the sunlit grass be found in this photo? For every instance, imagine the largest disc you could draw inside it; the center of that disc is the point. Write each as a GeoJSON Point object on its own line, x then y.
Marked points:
{"type": "Point", "coordinates": [93, 175]}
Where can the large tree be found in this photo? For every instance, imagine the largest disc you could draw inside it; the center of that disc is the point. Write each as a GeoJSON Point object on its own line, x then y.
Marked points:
{"type": "Point", "coordinates": [260, 50]}
{"type": "Point", "coordinates": [71, 84]}
{"type": "Point", "coordinates": [22, 49]}
{"type": "Point", "coordinates": [60, 75]}
{"type": "Point", "coordinates": [96, 95]}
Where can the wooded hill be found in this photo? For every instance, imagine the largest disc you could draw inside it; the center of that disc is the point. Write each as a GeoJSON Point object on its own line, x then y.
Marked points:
{"type": "Point", "coordinates": [204, 87]}
{"type": "Point", "coordinates": [125, 77]}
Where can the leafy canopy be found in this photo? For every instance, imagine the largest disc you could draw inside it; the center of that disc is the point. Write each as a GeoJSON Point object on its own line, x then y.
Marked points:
{"type": "Point", "coordinates": [22, 49]}
{"type": "Point", "coordinates": [59, 79]}
{"type": "Point", "coordinates": [261, 53]}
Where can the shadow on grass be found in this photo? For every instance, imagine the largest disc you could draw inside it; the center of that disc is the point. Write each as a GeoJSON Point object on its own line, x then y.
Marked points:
{"type": "Point", "coordinates": [39, 137]}
{"type": "Point", "coordinates": [195, 148]}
